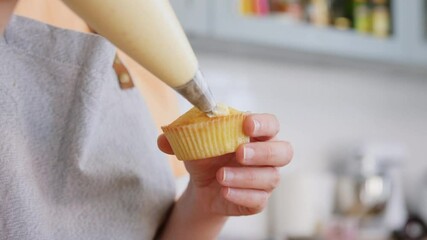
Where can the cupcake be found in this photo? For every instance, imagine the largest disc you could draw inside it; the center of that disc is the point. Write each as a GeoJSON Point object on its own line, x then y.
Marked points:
{"type": "Point", "coordinates": [194, 135]}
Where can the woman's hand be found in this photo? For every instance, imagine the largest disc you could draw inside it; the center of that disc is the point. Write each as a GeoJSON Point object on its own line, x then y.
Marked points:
{"type": "Point", "coordinates": [239, 183]}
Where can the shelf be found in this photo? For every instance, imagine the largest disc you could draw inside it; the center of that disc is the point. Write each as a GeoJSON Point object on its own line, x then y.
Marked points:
{"type": "Point", "coordinates": [306, 37]}
{"type": "Point", "coordinates": [288, 34]}
{"type": "Point", "coordinates": [220, 19]}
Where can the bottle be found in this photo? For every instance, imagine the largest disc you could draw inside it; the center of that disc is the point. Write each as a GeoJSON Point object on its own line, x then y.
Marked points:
{"type": "Point", "coordinates": [340, 16]}
{"type": "Point", "coordinates": [278, 6]}
{"type": "Point", "coordinates": [381, 21]}
{"type": "Point", "coordinates": [320, 14]}
{"type": "Point", "coordinates": [246, 7]}
{"type": "Point", "coordinates": [150, 33]}
{"type": "Point", "coordinates": [295, 10]}
{"type": "Point", "coordinates": [362, 17]}
{"type": "Point", "coordinates": [308, 10]}
{"type": "Point", "coordinates": [261, 7]}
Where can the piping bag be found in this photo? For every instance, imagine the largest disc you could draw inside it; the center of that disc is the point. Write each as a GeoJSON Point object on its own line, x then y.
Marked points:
{"type": "Point", "coordinates": [150, 33]}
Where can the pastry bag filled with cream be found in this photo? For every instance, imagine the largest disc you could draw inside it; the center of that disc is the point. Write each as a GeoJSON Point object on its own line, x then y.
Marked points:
{"type": "Point", "coordinates": [149, 32]}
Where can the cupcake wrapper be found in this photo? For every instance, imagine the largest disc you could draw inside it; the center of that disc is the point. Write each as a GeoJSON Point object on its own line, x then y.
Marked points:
{"type": "Point", "coordinates": [207, 139]}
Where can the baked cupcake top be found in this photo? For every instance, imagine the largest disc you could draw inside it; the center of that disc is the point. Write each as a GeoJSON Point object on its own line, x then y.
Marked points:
{"type": "Point", "coordinates": [194, 115]}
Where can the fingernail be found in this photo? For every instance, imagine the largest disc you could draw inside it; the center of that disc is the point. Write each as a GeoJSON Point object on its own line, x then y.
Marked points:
{"type": "Point", "coordinates": [257, 125]}
{"type": "Point", "coordinates": [227, 175]}
{"type": "Point", "coordinates": [248, 154]}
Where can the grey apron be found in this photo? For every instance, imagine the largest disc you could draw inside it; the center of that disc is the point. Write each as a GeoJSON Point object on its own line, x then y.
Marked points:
{"type": "Point", "coordinates": [78, 155]}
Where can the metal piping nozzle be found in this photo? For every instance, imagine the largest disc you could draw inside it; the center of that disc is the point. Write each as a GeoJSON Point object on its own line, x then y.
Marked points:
{"type": "Point", "coordinates": [197, 92]}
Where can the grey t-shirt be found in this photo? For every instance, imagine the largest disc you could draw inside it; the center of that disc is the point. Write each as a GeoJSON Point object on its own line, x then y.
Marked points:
{"type": "Point", "coordinates": [78, 155]}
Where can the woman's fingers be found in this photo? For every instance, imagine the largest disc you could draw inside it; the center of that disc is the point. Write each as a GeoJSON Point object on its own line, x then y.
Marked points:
{"type": "Point", "coordinates": [250, 201]}
{"type": "Point", "coordinates": [164, 145]}
{"type": "Point", "coordinates": [259, 178]}
{"type": "Point", "coordinates": [277, 154]}
{"type": "Point", "coordinates": [261, 126]}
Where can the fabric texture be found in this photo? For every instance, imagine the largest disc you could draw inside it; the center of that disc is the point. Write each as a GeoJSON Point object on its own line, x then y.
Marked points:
{"type": "Point", "coordinates": [161, 100]}
{"type": "Point", "coordinates": [78, 155]}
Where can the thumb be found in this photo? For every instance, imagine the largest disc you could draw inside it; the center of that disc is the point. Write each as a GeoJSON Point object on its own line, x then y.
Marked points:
{"type": "Point", "coordinates": [163, 144]}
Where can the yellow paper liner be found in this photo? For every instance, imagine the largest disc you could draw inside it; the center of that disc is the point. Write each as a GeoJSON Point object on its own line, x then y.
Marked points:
{"type": "Point", "coordinates": [207, 139]}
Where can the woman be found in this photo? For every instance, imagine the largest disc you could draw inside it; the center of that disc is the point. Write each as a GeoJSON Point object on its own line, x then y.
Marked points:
{"type": "Point", "coordinates": [76, 160]}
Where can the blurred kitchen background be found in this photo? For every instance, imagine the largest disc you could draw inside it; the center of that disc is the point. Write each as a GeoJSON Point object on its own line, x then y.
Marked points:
{"type": "Point", "coordinates": [348, 82]}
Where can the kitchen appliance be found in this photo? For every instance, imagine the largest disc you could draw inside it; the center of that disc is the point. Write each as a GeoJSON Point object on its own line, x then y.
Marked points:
{"type": "Point", "coordinates": [414, 229]}
{"type": "Point", "coordinates": [369, 188]}
{"type": "Point", "coordinates": [149, 32]}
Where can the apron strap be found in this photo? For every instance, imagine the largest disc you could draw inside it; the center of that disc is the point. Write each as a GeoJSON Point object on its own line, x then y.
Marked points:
{"type": "Point", "coordinates": [123, 75]}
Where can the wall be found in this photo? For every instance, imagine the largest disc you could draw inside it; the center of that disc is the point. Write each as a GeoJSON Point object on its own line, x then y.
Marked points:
{"type": "Point", "coordinates": [324, 105]}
